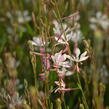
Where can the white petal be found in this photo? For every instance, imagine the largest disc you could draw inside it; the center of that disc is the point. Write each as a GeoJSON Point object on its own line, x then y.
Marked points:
{"type": "Point", "coordinates": [71, 58]}
{"type": "Point", "coordinates": [83, 54]}
{"type": "Point", "coordinates": [77, 52]}
{"type": "Point", "coordinates": [38, 41]}
{"type": "Point", "coordinates": [83, 58]}
{"type": "Point", "coordinates": [62, 58]}
{"type": "Point", "coordinates": [64, 26]}
{"type": "Point", "coordinates": [65, 64]}
{"type": "Point", "coordinates": [53, 58]}
{"type": "Point", "coordinates": [68, 57]}
{"type": "Point", "coordinates": [69, 73]}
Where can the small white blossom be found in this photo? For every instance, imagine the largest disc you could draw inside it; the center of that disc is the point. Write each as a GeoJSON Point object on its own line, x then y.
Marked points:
{"type": "Point", "coordinates": [63, 39]}
{"type": "Point", "coordinates": [101, 20]}
{"type": "Point", "coordinates": [64, 33]}
{"type": "Point", "coordinates": [59, 59]}
{"type": "Point", "coordinates": [57, 28]}
{"type": "Point", "coordinates": [76, 36]}
{"type": "Point", "coordinates": [12, 100]}
{"type": "Point", "coordinates": [15, 100]}
{"type": "Point", "coordinates": [65, 72]}
{"type": "Point", "coordinates": [23, 16]}
{"type": "Point", "coordinates": [78, 57]}
{"type": "Point", "coordinates": [62, 87]}
{"type": "Point", "coordinates": [69, 73]}
{"type": "Point", "coordinates": [60, 32]}
{"type": "Point", "coordinates": [60, 84]}
{"type": "Point", "coordinates": [37, 41]}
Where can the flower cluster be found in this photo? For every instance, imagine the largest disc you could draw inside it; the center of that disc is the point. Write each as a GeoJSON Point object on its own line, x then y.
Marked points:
{"type": "Point", "coordinates": [62, 61]}
{"type": "Point", "coordinates": [64, 33]}
{"type": "Point", "coordinates": [19, 18]}
{"type": "Point", "coordinates": [100, 20]}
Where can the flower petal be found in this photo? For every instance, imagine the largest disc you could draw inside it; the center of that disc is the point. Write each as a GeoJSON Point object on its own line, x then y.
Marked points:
{"type": "Point", "coordinates": [83, 54]}
{"type": "Point", "coordinates": [83, 58]}
{"type": "Point", "coordinates": [77, 52]}
{"type": "Point", "coordinates": [69, 73]}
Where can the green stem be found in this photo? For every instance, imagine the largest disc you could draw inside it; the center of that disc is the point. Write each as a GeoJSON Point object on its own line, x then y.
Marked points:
{"type": "Point", "coordinates": [47, 91]}
{"type": "Point", "coordinates": [63, 100]}
{"type": "Point", "coordinates": [84, 98]}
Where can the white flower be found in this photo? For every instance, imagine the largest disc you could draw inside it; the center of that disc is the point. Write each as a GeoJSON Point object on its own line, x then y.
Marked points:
{"type": "Point", "coordinates": [16, 99]}
{"type": "Point", "coordinates": [69, 73]}
{"type": "Point", "coordinates": [59, 59]}
{"type": "Point", "coordinates": [37, 41]}
{"type": "Point", "coordinates": [61, 32]}
{"type": "Point", "coordinates": [23, 16]}
{"type": "Point", "coordinates": [78, 57]}
{"type": "Point", "coordinates": [65, 72]}
{"type": "Point", "coordinates": [13, 100]}
{"type": "Point", "coordinates": [100, 20]}
{"type": "Point", "coordinates": [62, 87]}
{"type": "Point", "coordinates": [64, 33]}
{"type": "Point", "coordinates": [76, 36]}
{"type": "Point", "coordinates": [60, 84]}
{"type": "Point", "coordinates": [77, 18]}
{"type": "Point", "coordinates": [63, 39]}
{"type": "Point", "coordinates": [57, 28]}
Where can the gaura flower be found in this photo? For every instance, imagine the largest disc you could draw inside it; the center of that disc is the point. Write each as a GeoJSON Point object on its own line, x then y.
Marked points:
{"type": "Point", "coordinates": [40, 44]}
{"type": "Point", "coordinates": [101, 20]}
{"type": "Point", "coordinates": [64, 72]}
{"type": "Point", "coordinates": [63, 39]}
{"type": "Point", "coordinates": [57, 28]}
{"type": "Point", "coordinates": [59, 60]}
{"type": "Point", "coordinates": [23, 16]}
{"type": "Point", "coordinates": [37, 41]}
{"type": "Point", "coordinates": [76, 35]}
{"type": "Point", "coordinates": [61, 87]}
{"type": "Point", "coordinates": [79, 58]}
{"type": "Point", "coordinates": [62, 32]}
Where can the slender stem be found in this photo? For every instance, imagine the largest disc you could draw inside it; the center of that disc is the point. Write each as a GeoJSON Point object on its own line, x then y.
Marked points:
{"type": "Point", "coordinates": [84, 98]}
{"type": "Point", "coordinates": [47, 90]}
{"type": "Point", "coordinates": [62, 97]}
